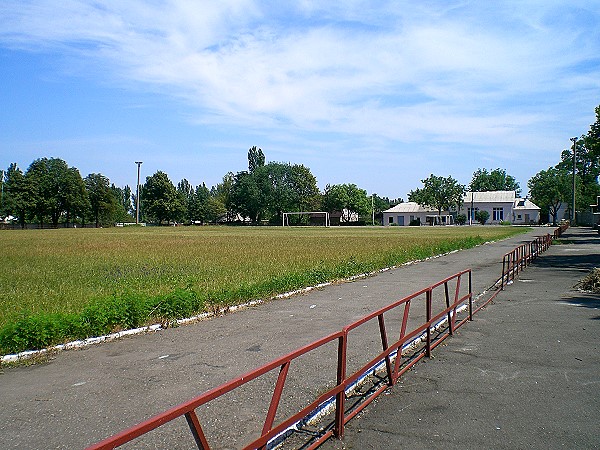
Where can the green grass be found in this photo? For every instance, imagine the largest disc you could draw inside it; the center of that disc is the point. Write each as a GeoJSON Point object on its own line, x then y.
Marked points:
{"type": "Point", "coordinates": [56, 285]}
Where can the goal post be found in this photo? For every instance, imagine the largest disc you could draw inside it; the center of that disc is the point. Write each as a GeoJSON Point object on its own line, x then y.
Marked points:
{"type": "Point", "coordinates": [286, 220]}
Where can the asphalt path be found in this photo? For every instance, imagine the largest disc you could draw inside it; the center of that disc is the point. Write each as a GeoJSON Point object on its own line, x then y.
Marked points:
{"type": "Point", "coordinates": [524, 374]}
{"type": "Point", "coordinates": [82, 396]}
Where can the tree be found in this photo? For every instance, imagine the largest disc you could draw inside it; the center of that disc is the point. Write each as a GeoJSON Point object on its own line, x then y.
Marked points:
{"type": "Point", "coordinates": [74, 196]}
{"type": "Point", "coordinates": [103, 203]}
{"type": "Point", "coordinates": [200, 203]}
{"type": "Point", "coordinates": [587, 169]}
{"type": "Point", "coordinates": [439, 193]}
{"type": "Point", "coordinates": [349, 199]}
{"type": "Point", "coordinates": [496, 180]}
{"type": "Point", "coordinates": [481, 216]}
{"type": "Point", "coordinates": [286, 187]}
{"type": "Point", "coordinates": [271, 189]}
{"type": "Point", "coordinates": [594, 136]}
{"type": "Point", "coordinates": [160, 200]}
{"type": "Point", "coordinates": [125, 211]}
{"type": "Point", "coordinates": [17, 194]}
{"type": "Point", "coordinates": [215, 209]}
{"type": "Point", "coordinates": [246, 197]}
{"type": "Point", "coordinates": [222, 194]}
{"type": "Point", "coordinates": [187, 193]}
{"type": "Point", "coordinates": [44, 190]}
{"type": "Point", "coordinates": [549, 189]}
{"type": "Point", "coordinates": [256, 159]}
{"type": "Point", "coordinates": [55, 189]}
{"type": "Point", "coordinates": [305, 192]}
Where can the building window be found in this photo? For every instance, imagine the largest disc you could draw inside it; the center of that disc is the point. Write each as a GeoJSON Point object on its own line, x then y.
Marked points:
{"type": "Point", "coordinates": [498, 214]}
{"type": "Point", "coordinates": [390, 219]}
{"type": "Point", "coordinates": [471, 213]}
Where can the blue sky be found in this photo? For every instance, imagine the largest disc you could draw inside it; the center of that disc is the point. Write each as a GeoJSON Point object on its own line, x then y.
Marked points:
{"type": "Point", "coordinates": [376, 93]}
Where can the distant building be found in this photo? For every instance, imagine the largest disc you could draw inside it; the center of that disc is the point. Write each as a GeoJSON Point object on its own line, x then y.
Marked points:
{"type": "Point", "coordinates": [412, 213]}
{"type": "Point", "coordinates": [502, 206]}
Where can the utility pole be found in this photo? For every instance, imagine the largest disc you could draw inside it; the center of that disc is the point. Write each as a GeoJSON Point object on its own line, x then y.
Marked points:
{"type": "Point", "coordinates": [2, 195]}
{"type": "Point", "coordinates": [471, 214]}
{"type": "Point", "coordinates": [137, 195]}
{"type": "Point", "coordinates": [574, 140]}
{"type": "Point", "coordinates": [373, 207]}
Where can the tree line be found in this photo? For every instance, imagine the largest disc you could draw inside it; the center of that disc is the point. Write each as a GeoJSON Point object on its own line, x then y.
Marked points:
{"type": "Point", "coordinates": [50, 193]}
{"type": "Point", "coordinates": [552, 189]}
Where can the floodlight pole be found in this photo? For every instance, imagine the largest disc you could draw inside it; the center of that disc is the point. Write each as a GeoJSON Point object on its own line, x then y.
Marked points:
{"type": "Point", "coordinates": [373, 207]}
{"type": "Point", "coordinates": [574, 140]}
{"type": "Point", "coordinates": [2, 195]}
{"type": "Point", "coordinates": [137, 195]}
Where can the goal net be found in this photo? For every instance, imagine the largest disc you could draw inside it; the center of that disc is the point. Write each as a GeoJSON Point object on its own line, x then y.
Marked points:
{"type": "Point", "coordinates": [311, 215]}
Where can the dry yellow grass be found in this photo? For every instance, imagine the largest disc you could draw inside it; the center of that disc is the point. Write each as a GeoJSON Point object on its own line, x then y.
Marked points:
{"type": "Point", "coordinates": [62, 270]}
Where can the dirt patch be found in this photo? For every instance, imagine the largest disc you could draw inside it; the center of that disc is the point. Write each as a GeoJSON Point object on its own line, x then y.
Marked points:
{"type": "Point", "coordinates": [591, 282]}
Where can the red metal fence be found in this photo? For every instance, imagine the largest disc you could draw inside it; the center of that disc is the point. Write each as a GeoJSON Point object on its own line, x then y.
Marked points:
{"type": "Point", "coordinates": [522, 256]}
{"type": "Point", "coordinates": [422, 321]}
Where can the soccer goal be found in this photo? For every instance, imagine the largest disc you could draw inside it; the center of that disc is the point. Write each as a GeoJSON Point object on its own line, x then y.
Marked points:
{"type": "Point", "coordinates": [286, 220]}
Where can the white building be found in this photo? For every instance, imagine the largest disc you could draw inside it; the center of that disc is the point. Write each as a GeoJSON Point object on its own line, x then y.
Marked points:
{"type": "Point", "coordinates": [411, 212]}
{"type": "Point", "coordinates": [502, 206]}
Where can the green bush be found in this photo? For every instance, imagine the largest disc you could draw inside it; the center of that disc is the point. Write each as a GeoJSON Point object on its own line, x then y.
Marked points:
{"type": "Point", "coordinates": [482, 216]}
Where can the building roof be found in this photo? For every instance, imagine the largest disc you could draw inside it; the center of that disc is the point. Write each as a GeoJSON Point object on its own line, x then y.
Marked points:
{"type": "Point", "coordinates": [490, 197]}
{"type": "Point", "coordinates": [523, 204]}
{"type": "Point", "coordinates": [409, 207]}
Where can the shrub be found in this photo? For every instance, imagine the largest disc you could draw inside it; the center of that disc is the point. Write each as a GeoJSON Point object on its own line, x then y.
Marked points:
{"type": "Point", "coordinates": [482, 216]}
{"type": "Point", "coordinates": [461, 219]}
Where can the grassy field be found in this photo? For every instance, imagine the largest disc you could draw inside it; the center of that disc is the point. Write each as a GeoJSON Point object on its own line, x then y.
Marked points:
{"type": "Point", "coordinates": [63, 272]}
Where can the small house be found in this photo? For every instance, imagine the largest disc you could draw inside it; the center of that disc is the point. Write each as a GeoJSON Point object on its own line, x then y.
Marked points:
{"type": "Point", "coordinates": [411, 213]}
{"type": "Point", "coordinates": [502, 206]}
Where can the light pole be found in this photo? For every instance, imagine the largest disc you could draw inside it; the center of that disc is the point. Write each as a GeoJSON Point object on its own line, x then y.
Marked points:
{"type": "Point", "coordinates": [574, 140]}
{"type": "Point", "coordinates": [373, 208]}
{"type": "Point", "coordinates": [471, 215]}
{"type": "Point", "coordinates": [137, 195]}
{"type": "Point", "coordinates": [2, 195]}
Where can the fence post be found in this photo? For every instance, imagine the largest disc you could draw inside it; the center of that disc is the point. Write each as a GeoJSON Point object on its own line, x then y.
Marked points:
{"type": "Point", "coordinates": [340, 398]}
{"type": "Point", "coordinates": [196, 429]}
{"type": "Point", "coordinates": [428, 299]}
{"type": "Point", "coordinates": [448, 314]}
{"type": "Point", "coordinates": [384, 345]}
{"type": "Point", "coordinates": [471, 295]}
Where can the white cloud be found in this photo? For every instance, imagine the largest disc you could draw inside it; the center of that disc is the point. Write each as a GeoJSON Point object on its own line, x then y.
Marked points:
{"type": "Point", "coordinates": [442, 72]}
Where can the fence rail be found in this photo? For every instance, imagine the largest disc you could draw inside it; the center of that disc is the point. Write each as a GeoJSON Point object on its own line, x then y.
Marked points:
{"type": "Point", "coordinates": [425, 311]}
{"type": "Point", "coordinates": [522, 256]}
{"type": "Point", "coordinates": [422, 320]}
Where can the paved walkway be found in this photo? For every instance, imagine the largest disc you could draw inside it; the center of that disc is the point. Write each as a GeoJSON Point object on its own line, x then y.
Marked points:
{"type": "Point", "coordinates": [80, 397]}
{"type": "Point", "coordinates": [524, 374]}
